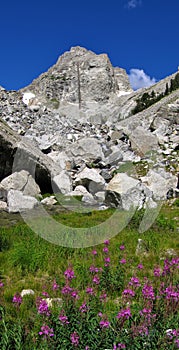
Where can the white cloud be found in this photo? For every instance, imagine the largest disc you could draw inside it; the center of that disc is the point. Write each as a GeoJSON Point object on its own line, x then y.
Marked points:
{"type": "Point", "coordinates": [132, 4]}
{"type": "Point", "coordinates": [139, 79]}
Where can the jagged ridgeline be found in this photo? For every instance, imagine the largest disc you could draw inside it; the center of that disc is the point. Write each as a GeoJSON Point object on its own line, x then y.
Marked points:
{"type": "Point", "coordinates": [76, 123]}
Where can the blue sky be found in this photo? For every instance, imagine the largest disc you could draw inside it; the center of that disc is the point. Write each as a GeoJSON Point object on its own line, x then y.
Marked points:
{"type": "Point", "coordinates": [138, 35]}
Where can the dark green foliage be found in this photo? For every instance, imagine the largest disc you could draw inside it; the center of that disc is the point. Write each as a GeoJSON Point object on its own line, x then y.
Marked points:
{"type": "Point", "coordinates": [166, 90]}
{"type": "Point", "coordinates": [174, 83]}
{"type": "Point", "coordinates": [146, 101]}
{"type": "Point", "coordinates": [149, 99]}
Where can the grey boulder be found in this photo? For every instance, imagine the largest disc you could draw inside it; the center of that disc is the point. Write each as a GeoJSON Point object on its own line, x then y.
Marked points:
{"type": "Point", "coordinates": [21, 181]}
{"type": "Point", "coordinates": [18, 202]}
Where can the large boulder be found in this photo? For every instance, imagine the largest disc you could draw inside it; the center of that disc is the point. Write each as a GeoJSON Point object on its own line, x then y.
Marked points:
{"type": "Point", "coordinates": [123, 192]}
{"type": "Point", "coordinates": [18, 202]}
{"type": "Point", "coordinates": [91, 180]}
{"type": "Point", "coordinates": [133, 198]}
{"type": "Point", "coordinates": [159, 182]}
{"type": "Point", "coordinates": [62, 183]}
{"type": "Point", "coordinates": [79, 191]}
{"type": "Point", "coordinates": [21, 181]}
{"type": "Point", "coordinates": [121, 183]}
{"type": "Point", "coordinates": [87, 149]}
{"type": "Point", "coordinates": [143, 141]}
{"type": "Point", "coordinates": [61, 158]}
{"type": "Point", "coordinates": [17, 153]}
{"type": "Point", "coordinates": [114, 158]}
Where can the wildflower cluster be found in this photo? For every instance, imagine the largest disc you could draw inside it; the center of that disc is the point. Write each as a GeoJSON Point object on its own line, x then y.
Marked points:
{"type": "Point", "coordinates": [84, 321]}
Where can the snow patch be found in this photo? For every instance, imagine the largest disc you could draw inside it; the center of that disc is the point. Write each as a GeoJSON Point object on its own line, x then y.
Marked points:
{"type": "Point", "coordinates": [121, 93]}
{"type": "Point", "coordinates": [27, 97]}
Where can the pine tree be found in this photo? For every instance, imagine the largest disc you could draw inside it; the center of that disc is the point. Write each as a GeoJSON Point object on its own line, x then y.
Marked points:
{"type": "Point", "coordinates": [166, 89]}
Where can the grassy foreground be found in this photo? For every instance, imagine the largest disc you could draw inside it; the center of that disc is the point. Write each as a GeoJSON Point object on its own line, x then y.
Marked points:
{"type": "Point", "coordinates": [109, 296]}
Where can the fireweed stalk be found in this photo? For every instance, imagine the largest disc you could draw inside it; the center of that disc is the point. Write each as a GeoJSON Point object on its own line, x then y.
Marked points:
{"type": "Point", "coordinates": [145, 311]}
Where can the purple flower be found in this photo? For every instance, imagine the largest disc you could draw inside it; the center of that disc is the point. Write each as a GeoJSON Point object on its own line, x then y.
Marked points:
{"type": "Point", "coordinates": [171, 293]}
{"type": "Point", "coordinates": [122, 247]}
{"type": "Point", "coordinates": [55, 286]}
{"type": "Point", "coordinates": [74, 338]}
{"type": "Point", "coordinates": [140, 266]}
{"type": "Point", "coordinates": [124, 313]}
{"type": "Point", "coordinates": [94, 252]}
{"type": "Point", "coordinates": [123, 261]}
{"type": "Point", "coordinates": [148, 292]}
{"type": "Point", "coordinates": [142, 330]}
{"type": "Point", "coordinates": [43, 307]}
{"type": "Point", "coordinates": [103, 297]}
{"type": "Point", "coordinates": [107, 259]}
{"type": "Point", "coordinates": [134, 281]}
{"type": "Point", "coordinates": [119, 346]}
{"type": "Point", "coordinates": [84, 307]}
{"type": "Point", "coordinates": [45, 294]}
{"type": "Point", "coordinates": [63, 318]}
{"type": "Point", "coordinates": [74, 294]}
{"type": "Point", "coordinates": [89, 290]}
{"type": "Point", "coordinates": [66, 290]}
{"type": "Point", "coordinates": [104, 324]}
{"type": "Point", "coordinates": [1, 284]}
{"type": "Point", "coordinates": [93, 269]}
{"type": "Point", "coordinates": [105, 250]}
{"type": "Point", "coordinates": [175, 261]}
{"type": "Point", "coordinates": [145, 311]}
{"type": "Point", "coordinates": [106, 242]}
{"type": "Point", "coordinates": [157, 271]}
{"type": "Point", "coordinates": [17, 299]}
{"type": "Point", "coordinates": [128, 292]}
{"type": "Point", "coordinates": [166, 268]}
{"type": "Point", "coordinates": [46, 331]}
{"type": "Point", "coordinates": [96, 279]}
{"type": "Point", "coordinates": [69, 274]}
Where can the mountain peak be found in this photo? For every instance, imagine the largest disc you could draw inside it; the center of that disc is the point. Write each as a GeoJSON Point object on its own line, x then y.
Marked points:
{"type": "Point", "coordinates": [80, 76]}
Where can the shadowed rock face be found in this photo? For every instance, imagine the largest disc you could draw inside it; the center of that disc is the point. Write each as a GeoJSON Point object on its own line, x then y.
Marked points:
{"type": "Point", "coordinates": [28, 158]}
{"type": "Point", "coordinates": [6, 158]}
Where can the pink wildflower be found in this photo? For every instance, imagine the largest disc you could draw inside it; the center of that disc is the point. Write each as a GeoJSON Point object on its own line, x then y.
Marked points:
{"type": "Point", "coordinates": [104, 324]}
{"type": "Point", "coordinates": [63, 318]}
{"type": "Point", "coordinates": [69, 274]}
{"type": "Point", "coordinates": [105, 250]}
{"type": "Point", "coordinates": [17, 299]}
{"type": "Point", "coordinates": [96, 279]}
{"type": "Point", "coordinates": [123, 261]}
{"type": "Point", "coordinates": [89, 291]}
{"type": "Point", "coordinates": [55, 286]}
{"type": "Point", "coordinates": [124, 313]}
{"type": "Point", "coordinates": [106, 242]}
{"type": "Point", "coordinates": [46, 331]}
{"type": "Point", "coordinates": [74, 338]}
{"type": "Point", "coordinates": [94, 252]}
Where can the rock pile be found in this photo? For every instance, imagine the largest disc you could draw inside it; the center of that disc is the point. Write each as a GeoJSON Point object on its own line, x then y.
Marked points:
{"type": "Point", "coordinates": [72, 132]}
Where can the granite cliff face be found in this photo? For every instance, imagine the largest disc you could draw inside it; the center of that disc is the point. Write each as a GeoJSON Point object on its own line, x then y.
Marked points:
{"type": "Point", "coordinates": [75, 122]}
{"type": "Point", "coordinates": [80, 76]}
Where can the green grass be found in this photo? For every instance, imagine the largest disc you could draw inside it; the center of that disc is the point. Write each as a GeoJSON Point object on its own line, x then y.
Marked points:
{"type": "Point", "coordinates": [27, 261]}
{"type": "Point", "coordinates": [25, 255]}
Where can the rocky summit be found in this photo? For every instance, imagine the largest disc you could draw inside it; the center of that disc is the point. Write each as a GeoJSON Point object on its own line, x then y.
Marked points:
{"type": "Point", "coordinates": [80, 130]}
